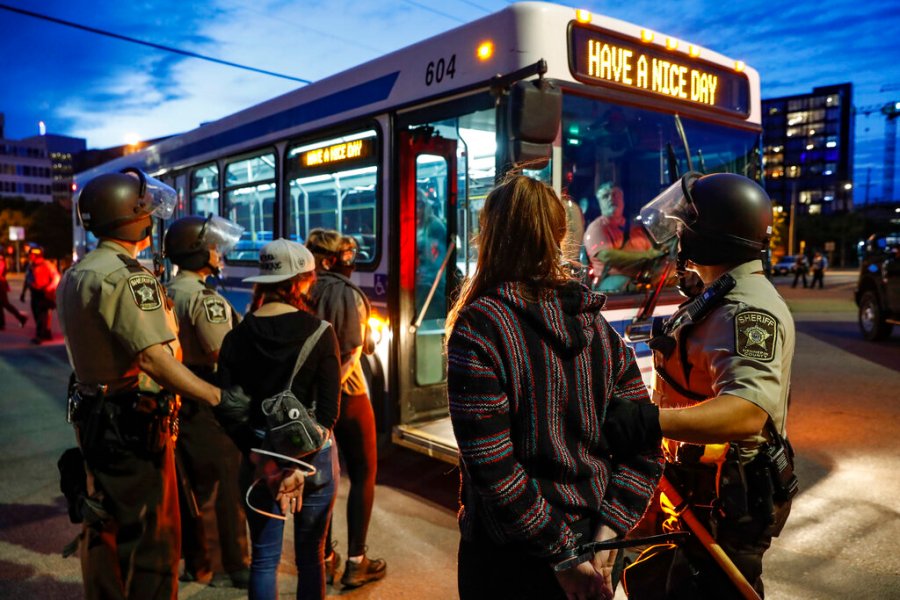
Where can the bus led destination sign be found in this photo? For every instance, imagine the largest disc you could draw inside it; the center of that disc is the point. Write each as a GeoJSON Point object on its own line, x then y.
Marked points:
{"type": "Point", "coordinates": [337, 153]}
{"type": "Point", "coordinates": [600, 57]}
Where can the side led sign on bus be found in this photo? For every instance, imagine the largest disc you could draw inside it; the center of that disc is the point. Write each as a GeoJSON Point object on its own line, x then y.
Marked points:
{"type": "Point", "coordinates": [337, 153]}
{"type": "Point", "coordinates": [597, 56]}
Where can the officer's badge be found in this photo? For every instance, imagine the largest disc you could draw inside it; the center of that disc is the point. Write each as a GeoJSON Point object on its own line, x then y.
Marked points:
{"type": "Point", "coordinates": [216, 311]}
{"type": "Point", "coordinates": [756, 333]}
{"type": "Point", "coordinates": [145, 291]}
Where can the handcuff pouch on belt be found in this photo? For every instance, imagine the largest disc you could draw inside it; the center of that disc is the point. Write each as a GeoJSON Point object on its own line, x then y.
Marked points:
{"type": "Point", "coordinates": [140, 422]}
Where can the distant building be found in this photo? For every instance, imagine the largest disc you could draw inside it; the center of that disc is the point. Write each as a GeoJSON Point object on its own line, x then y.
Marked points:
{"type": "Point", "coordinates": [39, 168]}
{"type": "Point", "coordinates": [808, 150]}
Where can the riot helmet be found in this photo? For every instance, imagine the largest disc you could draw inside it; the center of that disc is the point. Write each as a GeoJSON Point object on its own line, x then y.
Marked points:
{"type": "Point", "coordinates": [719, 219]}
{"type": "Point", "coordinates": [118, 205]}
{"type": "Point", "coordinates": [189, 240]}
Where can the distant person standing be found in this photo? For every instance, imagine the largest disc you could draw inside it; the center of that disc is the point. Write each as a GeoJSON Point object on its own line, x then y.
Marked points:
{"type": "Point", "coordinates": [801, 268]}
{"type": "Point", "coordinates": [5, 304]}
{"type": "Point", "coordinates": [340, 302]}
{"type": "Point", "coordinates": [208, 458]}
{"type": "Point", "coordinates": [819, 264]}
{"type": "Point", "coordinates": [41, 279]}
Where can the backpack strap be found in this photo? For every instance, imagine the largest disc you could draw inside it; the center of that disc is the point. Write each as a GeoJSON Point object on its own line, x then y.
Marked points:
{"type": "Point", "coordinates": [305, 351]}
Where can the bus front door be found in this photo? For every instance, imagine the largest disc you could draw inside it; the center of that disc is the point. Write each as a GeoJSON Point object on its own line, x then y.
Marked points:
{"type": "Point", "coordinates": [427, 257]}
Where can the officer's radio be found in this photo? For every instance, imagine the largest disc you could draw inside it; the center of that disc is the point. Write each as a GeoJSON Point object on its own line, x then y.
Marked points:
{"type": "Point", "coordinates": [660, 331]}
{"type": "Point", "coordinates": [778, 456]}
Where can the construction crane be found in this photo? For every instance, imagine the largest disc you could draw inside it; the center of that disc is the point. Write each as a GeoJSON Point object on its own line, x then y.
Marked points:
{"type": "Point", "coordinates": [891, 112]}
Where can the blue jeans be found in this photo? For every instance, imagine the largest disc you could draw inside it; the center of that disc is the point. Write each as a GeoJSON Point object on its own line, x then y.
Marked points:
{"type": "Point", "coordinates": [310, 525]}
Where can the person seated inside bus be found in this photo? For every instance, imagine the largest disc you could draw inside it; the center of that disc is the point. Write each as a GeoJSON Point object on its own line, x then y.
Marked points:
{"type": "Point", "coordinates": [619, 260]}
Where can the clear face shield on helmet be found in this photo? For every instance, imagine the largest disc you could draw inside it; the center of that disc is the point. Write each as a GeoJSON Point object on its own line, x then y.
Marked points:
{"type": "Point", "coordinates": [671, 209]}
{"type": "Point", "coordinates": [221, 234]}
{"type": "Point", "coordinates": [155, 198]}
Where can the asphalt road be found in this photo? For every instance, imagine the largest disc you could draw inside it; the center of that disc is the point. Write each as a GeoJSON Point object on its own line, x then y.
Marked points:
{"type": "Point", "coordinates": [842, 540]}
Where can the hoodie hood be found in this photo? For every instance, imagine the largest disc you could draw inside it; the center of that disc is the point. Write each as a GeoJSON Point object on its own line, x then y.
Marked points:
{"type": "Point", "coordinates": [566, 314]}
{"type": "Point", "coordinates": [278, 338]}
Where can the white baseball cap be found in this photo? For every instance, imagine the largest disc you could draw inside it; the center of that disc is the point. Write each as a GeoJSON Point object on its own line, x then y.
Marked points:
{"type": "Point", "coordinates": [281, 259]}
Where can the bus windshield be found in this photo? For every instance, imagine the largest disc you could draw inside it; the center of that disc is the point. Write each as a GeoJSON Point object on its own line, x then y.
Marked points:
{"type": "Point", "coordinates": [617, 158]}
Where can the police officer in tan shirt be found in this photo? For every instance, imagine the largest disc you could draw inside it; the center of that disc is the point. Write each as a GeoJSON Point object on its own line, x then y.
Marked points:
{"type": "Point", "coordinates": [210, 460]}
{"type": "Point", "coordinates": [120, 334]}
{"type": "Point", "coordinates": [722, 379]}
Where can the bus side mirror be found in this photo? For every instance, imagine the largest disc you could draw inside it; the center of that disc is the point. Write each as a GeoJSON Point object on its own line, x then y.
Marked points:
{"type": "Point", "coordinates": [534, 115]}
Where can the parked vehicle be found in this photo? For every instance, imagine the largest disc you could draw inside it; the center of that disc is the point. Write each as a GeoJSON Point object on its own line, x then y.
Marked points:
{"type": "Point", "coordinates": [878, 289]}
{"type": "Point", "coordinates": [785, 265]}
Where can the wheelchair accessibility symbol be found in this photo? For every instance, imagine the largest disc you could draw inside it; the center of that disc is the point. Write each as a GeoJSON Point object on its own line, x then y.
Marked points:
{"type": "Point", "coordinates": [381, 286]}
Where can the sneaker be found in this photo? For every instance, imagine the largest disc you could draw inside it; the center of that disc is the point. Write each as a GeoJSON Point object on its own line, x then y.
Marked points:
{"type": "Point", "coordinates": [23, 320]}
{"type": "Point", "coordinates": [331, 566]}
{"type": "Point", "coordinates": [37, 341]}
{"type": "Point", "coordinates": [357, 574]}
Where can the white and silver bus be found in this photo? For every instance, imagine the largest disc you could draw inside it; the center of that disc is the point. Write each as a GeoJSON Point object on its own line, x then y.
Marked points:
{"type": "Point", "coordinates": [400, 152]}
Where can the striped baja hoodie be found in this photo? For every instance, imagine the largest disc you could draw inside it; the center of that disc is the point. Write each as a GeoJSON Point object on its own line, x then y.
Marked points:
{"type": "Point", "coordinates": [528, 385]}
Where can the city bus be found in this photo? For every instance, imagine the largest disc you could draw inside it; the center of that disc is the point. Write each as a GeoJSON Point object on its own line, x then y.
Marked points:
{"type": "Point", "coordinates": [401, 151]}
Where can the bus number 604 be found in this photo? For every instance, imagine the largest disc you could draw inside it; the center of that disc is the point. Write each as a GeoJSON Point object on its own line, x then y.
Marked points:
{"type": "Point", "coordinates": [436, 71]}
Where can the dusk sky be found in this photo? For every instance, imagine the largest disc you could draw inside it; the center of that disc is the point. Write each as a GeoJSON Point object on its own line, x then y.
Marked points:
{"type": "Point", "coordinates": [86, 85]}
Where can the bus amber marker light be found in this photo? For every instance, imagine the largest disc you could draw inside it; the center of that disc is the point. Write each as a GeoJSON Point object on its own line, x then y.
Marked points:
{"type": "Point", "coordinates": [693, 51]}
{"type": "Point", "coordinates": [739, 65]}
{"type": "Point", "coordinates": [485, 50]}
{"type": "Point", "coordinates": [583, 16]}
{"type": "Point", "coordinates": [646, 36]}
{"type": "Point", "coordinates": [671, 44]}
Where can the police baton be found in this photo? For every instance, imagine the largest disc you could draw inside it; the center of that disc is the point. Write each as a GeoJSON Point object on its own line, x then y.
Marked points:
{"type": "Point", "coordinates": [703, 536]}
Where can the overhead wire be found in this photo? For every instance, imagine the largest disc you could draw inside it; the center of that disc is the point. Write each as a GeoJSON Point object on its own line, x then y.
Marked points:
{"type": "Point", "coordinates": [132, 40]}
{"type": "Point", "coordinates": [435, 11]}
{"type": "Point", "coordinates": [325, 34]}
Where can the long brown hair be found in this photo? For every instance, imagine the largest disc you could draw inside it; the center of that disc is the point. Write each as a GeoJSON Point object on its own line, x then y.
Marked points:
{"type": "Point", "coordinates": [287, 291]}
{"type": "Point", "coordinates": [522, 230]}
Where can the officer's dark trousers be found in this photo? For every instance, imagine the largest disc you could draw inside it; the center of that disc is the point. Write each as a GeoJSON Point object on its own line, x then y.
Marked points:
{"type": "Point", "coordinates": [693, 575]}
{"type": "Point", "coordinates": [818, 276]}
{"type": "Point", "coordinates": [212, 462]}
{"type": "Point", "coordinates": [40, 308]}
{"type": "Point", "coordinates": [135, 555]}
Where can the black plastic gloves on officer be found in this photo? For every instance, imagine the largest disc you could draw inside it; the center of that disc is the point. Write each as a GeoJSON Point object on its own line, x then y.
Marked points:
{"type": "Point", "coordinates": [233, 411]}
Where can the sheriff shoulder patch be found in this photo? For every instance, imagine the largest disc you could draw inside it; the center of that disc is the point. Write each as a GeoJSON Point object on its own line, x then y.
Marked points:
{"type": "Point", "coordinates": [755, 335]}
{"type": "Point", "coordinates": [145, 291]}
{"type": "Point", "coordinates": [216, 311]}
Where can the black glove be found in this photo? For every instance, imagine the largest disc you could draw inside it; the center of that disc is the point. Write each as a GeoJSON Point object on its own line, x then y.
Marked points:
{"type": "Point", "coordinates": [631, 427]}
{"type": "Point", "coordinates": [233, 411]}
